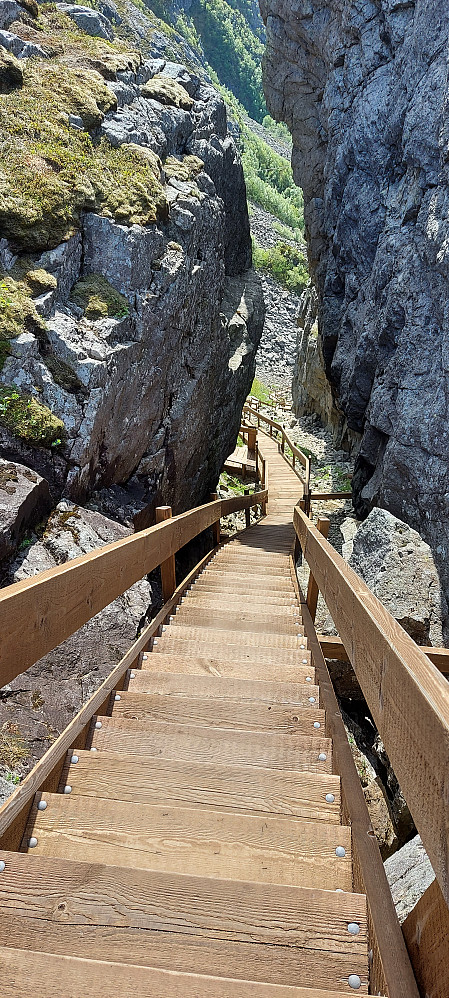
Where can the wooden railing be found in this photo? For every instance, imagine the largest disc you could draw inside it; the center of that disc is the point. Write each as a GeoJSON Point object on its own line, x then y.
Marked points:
{"type": "Point", "coordinates": [39, 613]}
{"type": "Point", "coordinates": [286, 444]}
{"type": "Point", "coordinates": [407, 696]}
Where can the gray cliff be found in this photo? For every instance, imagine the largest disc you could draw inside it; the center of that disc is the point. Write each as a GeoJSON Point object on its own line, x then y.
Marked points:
{"type": "Point", "coordinates": [363, 89]}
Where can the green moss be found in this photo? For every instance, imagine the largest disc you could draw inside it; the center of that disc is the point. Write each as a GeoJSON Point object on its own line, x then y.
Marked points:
{"type": "Point", "coordinates": [17, 312]}
{"type": "Point", "coordinates": [98, 299]}
{"type": "Point", "coordinates": [50, 172]}
{"type": "Point", "coordinates": [167, 91]}
{"type": "Point", "coordinates": [260, 391]}
{"type": "Point", "coordinates": [185, 168]}
{"type": "Point", "coordinates": [63, 374]}
{"type": "Point", "coordinates": [28, 418]}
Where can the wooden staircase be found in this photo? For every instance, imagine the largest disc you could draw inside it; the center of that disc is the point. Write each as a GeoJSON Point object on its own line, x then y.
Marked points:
{"type": "Point", "coordinates": [195, 846]}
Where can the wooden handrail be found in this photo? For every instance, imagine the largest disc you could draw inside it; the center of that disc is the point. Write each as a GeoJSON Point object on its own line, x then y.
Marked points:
{"type": "Point", "coordinates": [333, 648]}
{"type": "Point", "coordinates": [407, 696]}
{"type": "Point", "coordinates": [297, 454]}
{"type": "Point", "coordinates": [37, 614]}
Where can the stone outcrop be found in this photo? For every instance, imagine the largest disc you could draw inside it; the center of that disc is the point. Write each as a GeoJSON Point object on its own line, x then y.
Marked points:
{"type": "Point", "coordinates": [149, 373]}
{"type": "Point", "coordinates": [409, 874]}
{"type": "Point", "coordinates": [363, 89]}
{"type": "Point", "coordinates": [24, 500]}
{"type": "Point", "coordinates": [38, 705]}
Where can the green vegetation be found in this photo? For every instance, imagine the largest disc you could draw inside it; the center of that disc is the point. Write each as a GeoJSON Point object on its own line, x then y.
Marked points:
{"type": "Point", "coordinates": [232, 49]}
{"type": "Point", "coordinates": [167, 91]}
{"type": "Point", "coordinates": [260, 391]}
{"type": "Point", "coordinates": [13, 748]}
{"type": "Point", "coordinates": [29, 419]}
{"type": "Point", "coordinates": [186, 168]}
{"type": "Point", "coordinates": [98, 299]}
{"type": "Point", "coordinates": [334, 476]}
{"type": "Point", "coordinates": [285, 263]}
{"type": "Point", "coordinates": [232, 483]}
{"type": "Point", "coordinates": [278, 129]}
{"type": "Point", "coordinates": [269, 181]}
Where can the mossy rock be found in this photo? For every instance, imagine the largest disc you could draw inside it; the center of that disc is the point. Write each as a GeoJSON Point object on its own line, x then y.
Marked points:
{"type": "Point", "coordinates": [98, 299]}
{"type": "Point", "coordinates": [30, 6]}
{"type": "Point", "coordinates": [110, 63]}
{"type": "Point", "coordinates": [17, 311]}
{"type": "Point", "coordinates": [51, 173]}
{"type": "Point", "coordinates": [28, 419]}
{"type": "Point", "coordinates": [11, 72]}
{"type": "Point", "coordinates": [186, 168]}
{"type": "Point", "coordinates": [167, 91]}
{"type": "Point", "coordinates": [40, 281]}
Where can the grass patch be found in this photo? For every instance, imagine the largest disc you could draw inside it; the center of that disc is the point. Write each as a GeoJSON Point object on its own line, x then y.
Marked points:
{"type": "Point", "coordinates": [186, 168]}
{"type": "Point", "coordinates": [50, 172]}
{"type": "Point", "coordinates": [13, 748]}
{"type": "Point", "coordinates": [232, 483]}
{"type": "Point", "coordinates": [98, 299]}
{"type": "Point", "coordinates": [285, 263]}
{"type": "Point", "coordinates": [269, 181]}
{"type": "Point", "coordinates": [260, 391]}
{"type": "Point", "coordinates": [29, 419]}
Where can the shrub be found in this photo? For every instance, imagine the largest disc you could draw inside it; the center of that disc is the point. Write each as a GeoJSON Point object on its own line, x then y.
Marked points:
{"type": "Point", "coordinates": [285, 263]}
{"type": "Point", "coordinates": [28, 418]}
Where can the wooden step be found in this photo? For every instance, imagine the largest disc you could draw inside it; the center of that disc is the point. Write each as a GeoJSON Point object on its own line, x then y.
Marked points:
{"type": "Point", "coordinates": [209, 663]}
{"type": "Point", "coordinates": [218, 712]}
{"type": "Point", "coordinates": [206, 843]}
{"type": "Point", "coordinates": [257, 637]}
{"type": "Point", "coordinates": [255, 604]}
{"type": "Point", "coordinates": [179, 685]}
{"type": "Point", "coordinates": [194, 743]}
{"type": "Point", "coordinates": [243, 566]}
{"type": "Point", "coordinates": [40, 974]}
{"type": "Point", "coordinates": [272, 583]}
{"type": "Point", "coordinates": [209, 644]}
{"type": "Point", "coordinates": [183, 923]}
{"type": "Point", "coordinates": [254, 599]}
{"type": "Point", "coordinates": [237, 621]}
{"type": "Point", "coordinates": [245, 789]}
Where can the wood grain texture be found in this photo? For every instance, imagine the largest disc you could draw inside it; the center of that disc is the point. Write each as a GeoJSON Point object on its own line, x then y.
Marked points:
{"type": "Point", "coordinates": [426, 933]}
{"type": "Point", "coordinates": [242, 621]}
{"type": "Point", "coordinates": [26, 972]}
{"type": "Point", "coordinates": [260, 848]}
{"type": "Point", "coordinates": [309, 926]}
{"type": "Point", "coordinates": [219, 713]}
{"type": "Point", "coordinates": [208, 662]}
{"type": "Point", "coordinates": [207, 644]}
{"type": "Point", "coordinates": [245, 789]}
{"type": "Point", "coordinates": [407, 696]}
{"type": "Point", "coordinates": [178, 685]}
{"type": "Point", "coordinates": [391, 971]}
{"type": "Point", "coordinates": [195, 744]}
{"type": "Point", "coordinates": [333, 648]}
{"type": "Point", "coordinates": [256, 638]}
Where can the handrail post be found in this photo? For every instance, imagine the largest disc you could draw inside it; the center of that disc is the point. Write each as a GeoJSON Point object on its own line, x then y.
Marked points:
{"type": "Point", "coordinates": [216, 525]}
{"type": "Point", "coordinates": [168, 568]}
{"type": "Point", "coordinates": [247, 511]}
{"type": "Point", "coordinates": [264, 484]}
{"type": "Point", "coordinates": [283, 441]}
{"type": "Point", "coordinates": [323, 524]}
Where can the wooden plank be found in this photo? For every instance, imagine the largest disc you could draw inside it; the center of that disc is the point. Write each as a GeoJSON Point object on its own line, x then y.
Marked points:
{"type": "Point", "coordinates": [199, 842]}
{"type": "Point", "coordinates": [322, 526]}
{"type": "Point", "coordinates": [235, 505]}
{"type": "Point", "coordinates": [208, 645]}
{"type": "Point", "coordinates": [180, 685]}
{"type": "Point", "coordinates": [236, 621]}
{"type": "Point", "coordinates": [333, 648]}
{"type": "Point", "coordinates": [255, 605]}
{"type": "Point", "coordinates": [306, 929]}
{"type": "Point", "coordinates": [25, 972]}
{"type": "Point", "coordinates": [168, 567]}
{"type": "Point", "coordinates": [244, 789]}
{"type": "Point", "coordinates": [391, 972]}
{"type": "Point", "coordinates": [242, 566]}
{"type": "Point", "coordinates": [219, 712]}
{"type": "Point", "coordinates": [256, 638]}
{"type": "Point", "coordinates": [408, 698]}
{"type": "Point", "coordinates": [47, 771]}
{"type": "Point", "coordinates": [195, 743]}
{"type": "Point", "coordinates": [225, 666]}
{"type": "Point", "coordinates": [426, 933]}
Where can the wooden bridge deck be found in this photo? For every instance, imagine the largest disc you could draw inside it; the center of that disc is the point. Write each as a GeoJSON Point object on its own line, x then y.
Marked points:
{"type": "Point", "coordinates": [195, 848]}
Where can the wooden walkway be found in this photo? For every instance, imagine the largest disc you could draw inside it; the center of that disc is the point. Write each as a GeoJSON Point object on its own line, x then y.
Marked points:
{"type": "Point", "coordinates": [195, 848]}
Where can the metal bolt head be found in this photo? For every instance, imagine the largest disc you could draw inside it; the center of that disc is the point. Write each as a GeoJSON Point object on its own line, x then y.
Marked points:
{"type": "Point", "coordinates": [330, 798]}
{"type": "Point", "coordinates": [93, 749]}
{"type": "Point", "coordinates": [354, 981]}
{"type": "Point", "coordinates": [42, 806]}
{"type": "Point", "coordinates": [316, 724]}
{"type": "Point", "coordinates": [145, 657]}
{"type": "Point", "coordinates": [304, 661]}
{"type": "Point", "coordinates": [98, 725]}
{"type": "Point", "coordinates": [74, 760]}
{"type": "Point", "coordinates": [354, 928]}
{"type": "Point", "coordinates": [32, 842]}
{"type": "Point", "coordinates": [132, 675]}
{"type": "Point", "coordinates": [322, 756]}
{"type": "Point", "coordinates": [67, 789]}
{"type": "Point", "coordinates": [2, 865]}
{"type": "Point", "coordinates": [302, 646]}
{"type": "Point", "coordinates": [117, 697]}
{"type": "Point", "coordinates": [312, 699]}
{"type": "Point", "coordinates": [340, 852]}
{"type": "Point", "coordinates": [308, 679]}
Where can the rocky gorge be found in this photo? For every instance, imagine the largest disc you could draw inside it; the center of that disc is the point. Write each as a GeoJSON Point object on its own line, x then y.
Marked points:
{"type": "Point", "coordinates": [363, 90]}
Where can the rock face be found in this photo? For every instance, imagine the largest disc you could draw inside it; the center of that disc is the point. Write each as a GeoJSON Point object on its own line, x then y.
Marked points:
{"type": "Point", "coordinates": [151, 389]}
{"type": "Point", "coordinates": [39, 704]}
{"type": "Point", "coordinates": [409, 874]}
{"type": "Point", "coordinates": [398, 567]}
{"type": "Point", "coordinates": [363, 89]}
{"type": "Point", "coordinates": [24, 500]}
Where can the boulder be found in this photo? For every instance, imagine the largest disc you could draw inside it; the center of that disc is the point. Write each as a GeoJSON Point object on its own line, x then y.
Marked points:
{"type": "Point", "coordinates": [409, 874]}
{"type": "Point", "coordinates": [399, 568]}
{"type": "Point", "coordinates": [90, 21]}
{"type": "Point", "coordinates": [9, 11]}
{"type": "Point", "coordinates": [24, 500]}
{"type": "Point", "coordinates": [20, 48]}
